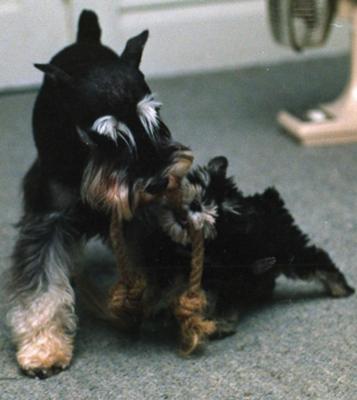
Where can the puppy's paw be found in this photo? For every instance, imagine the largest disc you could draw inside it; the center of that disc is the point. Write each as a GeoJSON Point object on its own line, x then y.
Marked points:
{"type": "Point", "coordinates": [225, 327]}
{"type": "Point", "coordinates": [336, 284]}
{"type": "Point", "coordinates": [45, 354]}
{"type": "Point", "coordinates": [338, 290]}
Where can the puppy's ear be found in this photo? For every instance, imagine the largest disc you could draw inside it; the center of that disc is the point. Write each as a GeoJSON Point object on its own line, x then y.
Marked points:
{"type": "Point", "coordinates": [134, 49]}
{"type": "Point", "coordinates": [218, 166]}
{"type": "Point", "coordinates": [55, 73]}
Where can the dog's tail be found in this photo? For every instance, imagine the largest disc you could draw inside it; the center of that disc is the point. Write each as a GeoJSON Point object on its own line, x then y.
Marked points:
{"type": "Point", "coordinates": [88, 28]}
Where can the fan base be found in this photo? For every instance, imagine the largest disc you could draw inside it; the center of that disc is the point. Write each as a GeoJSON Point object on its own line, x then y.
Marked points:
{"type": "Point", "coordinates": [333, 130]}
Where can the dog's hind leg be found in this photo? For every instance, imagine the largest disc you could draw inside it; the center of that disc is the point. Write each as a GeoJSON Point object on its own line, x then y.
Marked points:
{"type": "Point", "coordinates": [297, 258]}
{"type": "Point", "coordinates": [41, 314]}
{"type": "Point", "coordinates": [314, 263]}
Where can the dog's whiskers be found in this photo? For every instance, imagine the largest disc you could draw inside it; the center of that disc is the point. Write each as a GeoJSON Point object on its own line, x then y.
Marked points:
{"type": "Point", "coordinates": [126, 135]}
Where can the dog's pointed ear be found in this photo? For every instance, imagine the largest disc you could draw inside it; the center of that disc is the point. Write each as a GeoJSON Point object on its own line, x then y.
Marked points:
{"type": "Point", "coordinates": [55, 73]}
{"type": "Point", "coordinates": [218, 166]}
{"type": "Point", "coordinates": [88, 27]}
{"type": "Point", "coordinates": [134, 49]}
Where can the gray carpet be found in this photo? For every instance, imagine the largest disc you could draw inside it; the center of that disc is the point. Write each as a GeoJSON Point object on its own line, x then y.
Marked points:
{"type": "Point", "coordinates": [302, 345]}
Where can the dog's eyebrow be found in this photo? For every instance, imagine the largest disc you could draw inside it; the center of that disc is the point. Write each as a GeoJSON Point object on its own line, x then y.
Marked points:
{"type": "Point", "coordinates": [109, 126]}
{"type": "Point", "coordinates": [147, 111]}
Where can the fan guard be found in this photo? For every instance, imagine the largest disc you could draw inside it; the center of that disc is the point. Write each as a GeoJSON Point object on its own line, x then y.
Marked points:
{"type": "Point", "coordinates": [306, 23]}
{"type": "Point", "coordinates": [301, 23]}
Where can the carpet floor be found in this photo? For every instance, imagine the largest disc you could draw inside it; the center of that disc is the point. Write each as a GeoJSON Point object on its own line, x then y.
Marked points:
{"type": "Point", "coordinates": [302, 344]}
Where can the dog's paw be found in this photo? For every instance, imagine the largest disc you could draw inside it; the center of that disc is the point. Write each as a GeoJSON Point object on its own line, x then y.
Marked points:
{"type": "Point", "coordinates": [42, 373]}
{"type": "Point", "coordinates": [45, 355]}
{"type": "Point", "coordinates": [335, 284]}
{"type": "Point", "coordinates": [224, 328]}
{"type": "Point", "coordinates": [339, 290]}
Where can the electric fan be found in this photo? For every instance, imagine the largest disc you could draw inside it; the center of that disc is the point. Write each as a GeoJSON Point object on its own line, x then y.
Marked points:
{"type": "Point", "coordinates": [302, 24]}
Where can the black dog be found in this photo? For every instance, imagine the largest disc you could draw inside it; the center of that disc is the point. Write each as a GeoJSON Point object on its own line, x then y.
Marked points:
{"type": "Point", "coordinates": [250, 241]}
{"type": "Point", "coordinates": [101, 143]}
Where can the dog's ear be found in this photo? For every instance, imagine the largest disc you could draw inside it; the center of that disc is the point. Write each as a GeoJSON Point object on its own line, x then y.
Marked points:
{"type": "Point", "coordinates": [218, 166]}
{"type": "Point", "coordinates": [88, 27]}
{"type": "Point", "coordinates": [55, 73]}
{"type": "Point", "coordinates": [134, 49]}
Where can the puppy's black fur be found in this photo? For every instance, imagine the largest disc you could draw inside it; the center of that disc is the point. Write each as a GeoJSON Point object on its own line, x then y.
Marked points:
{"type": "Point", "coordinates": [255, 241]}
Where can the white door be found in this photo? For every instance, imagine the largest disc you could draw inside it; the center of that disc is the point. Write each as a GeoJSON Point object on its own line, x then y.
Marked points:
{"type": "Point", "coordinates": [185, 35]}
{"type": "Point", "coordinates": [197, 35]}
{"type": "Point", "coordinates": [30, 31]}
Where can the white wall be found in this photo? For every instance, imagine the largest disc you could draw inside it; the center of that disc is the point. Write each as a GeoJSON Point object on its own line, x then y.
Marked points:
{"type": "Point", "coordinates": [190, 36]}
{"type": "Point", "coordinates": [186, 36]}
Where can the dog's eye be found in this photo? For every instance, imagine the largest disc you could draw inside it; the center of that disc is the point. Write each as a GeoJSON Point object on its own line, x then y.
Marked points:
{"type": "Point", "coordinates": [157, 186]}
{"type": "Point", "coordinates": [196, 206]}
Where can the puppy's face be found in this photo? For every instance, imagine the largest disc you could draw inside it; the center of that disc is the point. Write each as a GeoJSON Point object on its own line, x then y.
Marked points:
{"type": "Point", "coordinates": [210, 197]}
{"type": "Point", "coordinates": [211, 186]}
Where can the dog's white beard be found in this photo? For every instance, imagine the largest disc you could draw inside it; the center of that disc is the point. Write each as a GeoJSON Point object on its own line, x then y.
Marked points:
{"type": "Point", "coordinates": [103, 188]}
{"type": "Point", "coordinates": [204, 220]}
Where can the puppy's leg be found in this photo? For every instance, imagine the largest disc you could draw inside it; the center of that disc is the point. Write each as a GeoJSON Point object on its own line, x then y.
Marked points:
{"type": "Point", "coordinates": [314, 263]}
{"type": "Point", "coordinates": [41, 315]}
{"type": "Point", "coordinates": [283, 239]}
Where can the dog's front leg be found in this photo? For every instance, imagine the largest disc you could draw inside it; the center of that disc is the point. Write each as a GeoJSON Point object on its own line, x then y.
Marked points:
{"type": "Point", "coordinates": [41, 315]}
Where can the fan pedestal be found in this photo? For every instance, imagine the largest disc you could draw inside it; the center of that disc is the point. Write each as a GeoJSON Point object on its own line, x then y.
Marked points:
{"type": "Point", "coordinates": [340, 122]}
{"type": "Point", "coordinates": [340, 127]}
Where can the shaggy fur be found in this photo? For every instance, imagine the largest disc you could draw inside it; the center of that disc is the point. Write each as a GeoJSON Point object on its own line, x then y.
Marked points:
{"type": "Point", "coordinates": [101, 144]}
{"type": "Point", "coordinates": [250, 241]}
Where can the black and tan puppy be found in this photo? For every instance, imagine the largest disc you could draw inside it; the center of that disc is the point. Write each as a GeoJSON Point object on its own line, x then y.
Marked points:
{"type": "Point", "coordinates": [249, 242]}
{"type": "Point", "coordinates": [101, 143]}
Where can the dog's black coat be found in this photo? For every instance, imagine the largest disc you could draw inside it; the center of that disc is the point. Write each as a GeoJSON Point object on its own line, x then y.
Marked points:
{"type": "Point", "coordinates": [256, 241]}
{"type": "Point", "coordinates": [83, 83]}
